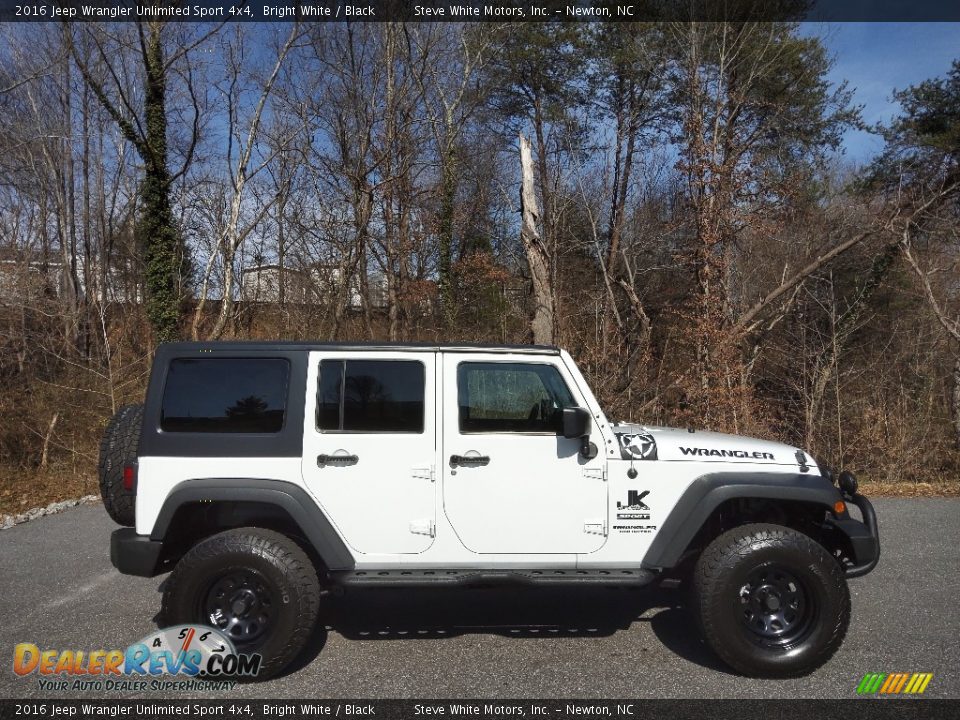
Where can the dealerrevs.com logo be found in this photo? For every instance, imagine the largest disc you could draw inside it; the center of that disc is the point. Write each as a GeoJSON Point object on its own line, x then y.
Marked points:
{"type": "Point", "coordinates": [183, 657]}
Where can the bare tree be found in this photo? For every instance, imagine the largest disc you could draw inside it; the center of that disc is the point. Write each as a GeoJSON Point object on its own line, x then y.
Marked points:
{"type": "Point", "coordinates": [143, 120]}
{"type": "Point", "coordinates": [735, 83]}
{"type": "Point", "coordinates": [538, 260]}
{"type": "Point", "coordinates": [448, 62]}
{"type": "Point", "coordinates": [242, 170]}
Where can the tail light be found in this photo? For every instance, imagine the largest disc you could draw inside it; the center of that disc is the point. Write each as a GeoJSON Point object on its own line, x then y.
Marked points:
{"type": "Point", "coordinates": [129, 477]}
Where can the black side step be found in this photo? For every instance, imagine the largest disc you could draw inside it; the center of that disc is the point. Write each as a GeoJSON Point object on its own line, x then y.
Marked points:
{"type": "Point", "coordinates": [634, 577]}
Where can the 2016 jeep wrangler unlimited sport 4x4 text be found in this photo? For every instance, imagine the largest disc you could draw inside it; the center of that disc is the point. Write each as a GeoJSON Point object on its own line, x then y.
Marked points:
{"type": "Point", "coordinates": [263, 473]}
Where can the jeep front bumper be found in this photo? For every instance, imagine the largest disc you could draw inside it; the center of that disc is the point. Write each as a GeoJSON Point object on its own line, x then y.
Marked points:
{"type": "Point", "coordinates": [863, 538]}
{"type": "Point", "coordinates": [134, 554]}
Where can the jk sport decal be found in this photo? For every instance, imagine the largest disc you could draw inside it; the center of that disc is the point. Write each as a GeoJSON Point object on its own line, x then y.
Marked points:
{"type": "Point", "coordinates": [632, 512]}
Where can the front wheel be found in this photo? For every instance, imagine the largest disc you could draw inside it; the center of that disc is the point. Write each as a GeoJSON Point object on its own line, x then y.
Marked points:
{"type": "Point", "coordinates": [256, 586]}
{"type": "Point", "coordinates": [770, 601]}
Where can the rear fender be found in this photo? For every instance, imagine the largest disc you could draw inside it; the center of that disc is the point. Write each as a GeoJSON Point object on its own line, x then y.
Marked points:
{"type": "Point", "coordinates": [292, 499]}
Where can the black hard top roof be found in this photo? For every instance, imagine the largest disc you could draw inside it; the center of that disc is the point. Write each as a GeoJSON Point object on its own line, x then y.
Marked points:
{"type": "Point", "coordinates": [309, 345]}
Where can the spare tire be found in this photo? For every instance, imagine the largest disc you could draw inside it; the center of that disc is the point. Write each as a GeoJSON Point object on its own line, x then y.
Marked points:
{"type": "Point", "coordinates": [118, 449]}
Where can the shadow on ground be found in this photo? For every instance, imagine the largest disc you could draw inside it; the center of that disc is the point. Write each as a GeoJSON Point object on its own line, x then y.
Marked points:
{"type": "Point", "coordinates": [508, 611]}
{"type": "Point", "coordinates": [410, 614]}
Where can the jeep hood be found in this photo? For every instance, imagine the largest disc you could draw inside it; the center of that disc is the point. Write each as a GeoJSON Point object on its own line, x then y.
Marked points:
{"type": "Point", "coordinates": [645, 442]}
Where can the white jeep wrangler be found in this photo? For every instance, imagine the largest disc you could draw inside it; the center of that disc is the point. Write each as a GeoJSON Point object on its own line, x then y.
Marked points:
{"type": "Point", "coordinates": [264, 473]}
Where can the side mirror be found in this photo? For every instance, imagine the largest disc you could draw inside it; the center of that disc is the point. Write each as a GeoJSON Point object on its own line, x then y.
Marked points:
{"type": "Point", "coordinates": [576, 424]}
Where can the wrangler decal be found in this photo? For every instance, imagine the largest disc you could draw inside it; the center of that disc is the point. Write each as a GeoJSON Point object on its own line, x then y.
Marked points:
{"type": "Point", "coordinates": [713, 452]}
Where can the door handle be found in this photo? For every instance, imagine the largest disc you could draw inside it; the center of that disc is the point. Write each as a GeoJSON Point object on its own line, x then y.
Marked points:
{"type": "Point", "coordinates": [469, 460]}
{"type": "Point", "coordinates": [337, 460]}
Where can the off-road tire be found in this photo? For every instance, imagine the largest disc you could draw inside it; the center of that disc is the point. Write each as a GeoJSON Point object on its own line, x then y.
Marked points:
{"type": "Point", "coordinates": [725, 585]}
{"type": "Point", "coordinates": [278, 561]}
{"type": "Point", "coordinates": [118, 448]}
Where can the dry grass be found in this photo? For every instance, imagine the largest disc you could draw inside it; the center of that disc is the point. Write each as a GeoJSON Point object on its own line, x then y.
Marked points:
{"type": "Point", "coordinates": [23, 490]}
{"type": "Point", "coordinates": [945, 488]}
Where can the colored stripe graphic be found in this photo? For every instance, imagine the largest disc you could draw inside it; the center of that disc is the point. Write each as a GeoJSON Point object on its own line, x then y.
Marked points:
{"type": "Point", "coordinates": [894, 683]}
{"type": "Point", "coordinates": [870, 683]}
{"type": "Point", "coordinates": [890, 682]}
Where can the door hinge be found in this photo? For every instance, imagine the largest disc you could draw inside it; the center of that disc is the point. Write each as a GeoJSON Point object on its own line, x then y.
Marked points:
{"type": "Point", "coordinates": [595, 527]}
{"type": "Point", "coordinates": [596, 473]}
{"type": "Point", "coordinates": [424, 473]}
{"type": "Point", "coordinates": [423, 527]}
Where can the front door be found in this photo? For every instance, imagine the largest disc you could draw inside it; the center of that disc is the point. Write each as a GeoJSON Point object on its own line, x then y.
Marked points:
{"type": "Point", "coordinates": [511, 482]}
{"type": "Point", "coordinates": [370, 446]}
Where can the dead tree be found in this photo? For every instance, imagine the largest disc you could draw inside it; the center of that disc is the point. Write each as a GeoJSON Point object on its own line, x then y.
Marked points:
{"type": "Point", "coordinates": [538, 259]}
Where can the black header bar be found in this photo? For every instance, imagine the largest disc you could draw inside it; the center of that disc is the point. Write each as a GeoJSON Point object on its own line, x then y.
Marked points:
{"type": "Point", "coordinates": [527, 709]}
{"type": "Point", "coordinates": [480, 10]}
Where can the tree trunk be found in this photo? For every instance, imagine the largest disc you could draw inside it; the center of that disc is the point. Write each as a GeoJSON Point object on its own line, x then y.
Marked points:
{"type": "Point", "coordinates": [955, 403]}
{"type": "Point", "coordinates": [390, 153]}
{"type": "Point", "coordinates": [90, 291]}
{"type": "Point", "coordinates": [158, 235]}
{"type": "Point", "coordinates": [45, 452]}
{"type": "Point", "coordinates": [70, 286]}
{"type": "Point", "coordinates": [445, 231]}
{"type": "Point", "coordinates": [357, 258]}
{"type": "Point", "coordinates": [281, 253]}
{"type": "Point", "coordinates": [541, 324]}
{"type": "Point", "coordinates": [623, 168]}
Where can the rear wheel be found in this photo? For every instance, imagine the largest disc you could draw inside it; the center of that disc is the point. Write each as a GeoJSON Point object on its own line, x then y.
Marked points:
{"type": "Point", "coordinates": [256, 586]}
{"type": "Point", "coordinates": [118, 449]}
{"type": "Point", "coordinates": [770, 601]}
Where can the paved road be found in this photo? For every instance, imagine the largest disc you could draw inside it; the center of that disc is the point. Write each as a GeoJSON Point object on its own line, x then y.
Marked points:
{"type": "Point", "coordinates": [60, 591]}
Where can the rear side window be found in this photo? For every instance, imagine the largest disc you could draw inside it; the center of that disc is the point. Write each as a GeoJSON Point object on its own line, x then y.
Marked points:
{"type": "Point", "coordinates": [225, 395]}
{"type": "Point", "coordinates": [511, 397]}
{"type": "Point", "coordinates": [371, 396]}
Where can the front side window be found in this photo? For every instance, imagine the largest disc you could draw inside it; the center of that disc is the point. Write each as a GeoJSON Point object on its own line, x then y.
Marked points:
{"type": "Point", "coordinates": [225, 395]}
{"type": "Point", "coordinates": [511, 397]}
{"type": "Point", "coordinates": [371, 396]}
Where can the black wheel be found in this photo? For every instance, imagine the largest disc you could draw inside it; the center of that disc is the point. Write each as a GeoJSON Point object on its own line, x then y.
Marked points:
{"type": "Point", "coordinates": [118, 448]}
{"type": "Point", "coordinates": [257, 586]}
{"type": "Point", "coordinates": [770, 601]}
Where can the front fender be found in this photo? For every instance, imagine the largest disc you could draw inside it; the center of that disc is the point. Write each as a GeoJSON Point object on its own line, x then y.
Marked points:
{"type": "Point", "coordinates": [708, 492]}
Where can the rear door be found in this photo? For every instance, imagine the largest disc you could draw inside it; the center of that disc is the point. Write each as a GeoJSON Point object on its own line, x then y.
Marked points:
{"type": "Point", "coordinates": [511, 482]}
{"type": "Point", "coordinates": [370, 444]}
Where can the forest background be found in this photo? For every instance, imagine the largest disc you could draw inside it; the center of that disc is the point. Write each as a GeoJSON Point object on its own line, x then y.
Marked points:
{"type": "Point", "coordinates": [668, 201]}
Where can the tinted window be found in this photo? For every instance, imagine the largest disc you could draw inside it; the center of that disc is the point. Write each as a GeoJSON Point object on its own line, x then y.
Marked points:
{"type": "Point", "coordinates": [329, 394]}
{"type": "Point", "coordinates": [371, 396]}
{"type": "Point", "coordinates": [511, 397]}
{"type": "Point", "coordinates": [225, 395]}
